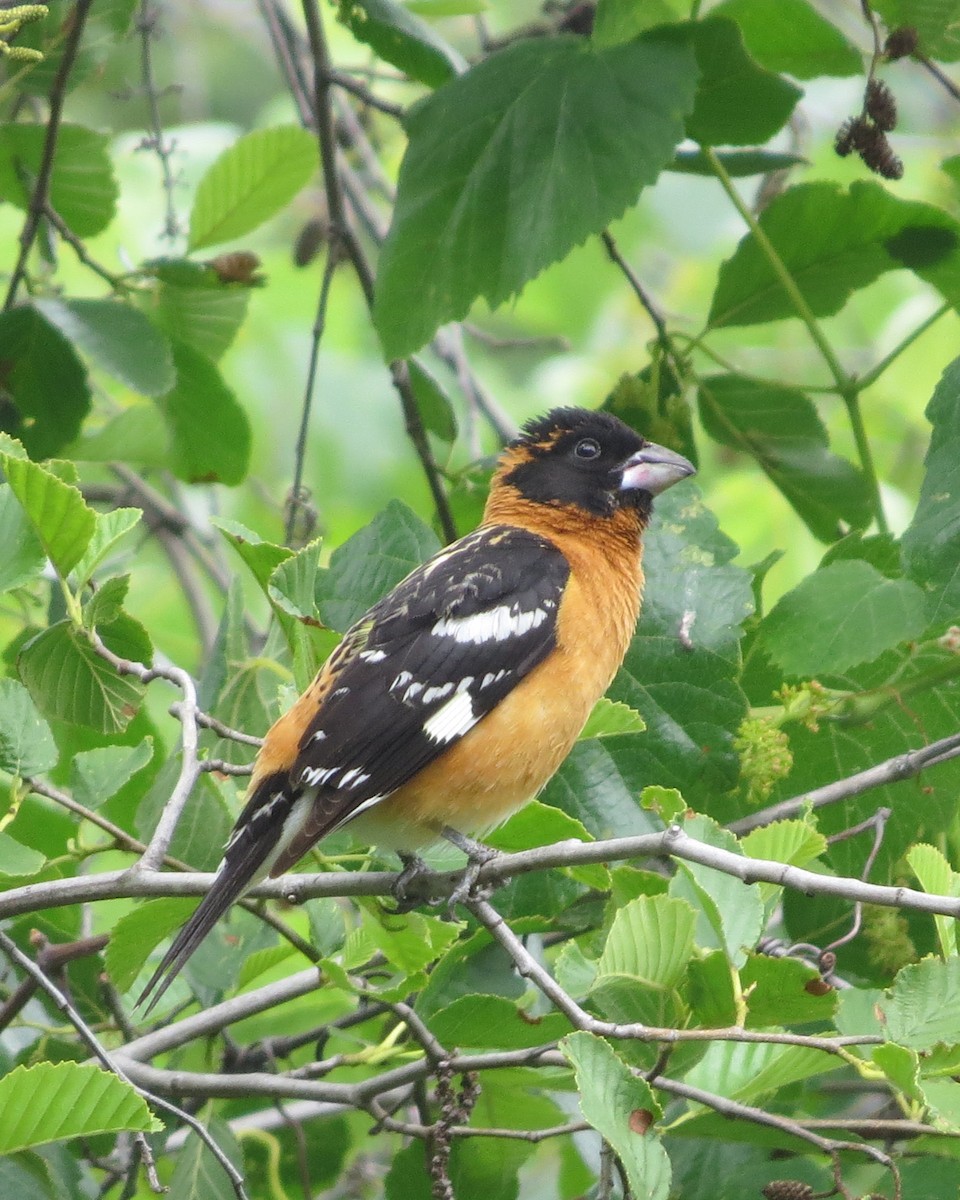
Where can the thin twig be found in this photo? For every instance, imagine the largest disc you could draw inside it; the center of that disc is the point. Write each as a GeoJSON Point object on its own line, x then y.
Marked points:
{"type": "Point", "coordinates": [80, 249]}
{"type": "Point", "coordinates": [878, 823]}
{"type": "Point", "coordinates": [349, 84]}
{"type": "Point", "coordinates": [316, 337]}
{"type": "Point", "coordinates": [893, 770]}
{"type": "Point", "coordinates": [939, 75]}
{"type": "Point", "coordinates": [530, 969]}
{"type": "Point", "coordinates": [221, 730]}
{"type": "Point", "coordinates": [189, 762]}
{"type": "Point", "coordinates": [40, 196]}
{"type": "Point", "coordinates": [343, 234]}
{"type": "Point", "coordinates": [147, 28]}
{"type": "Point", "coordinates": [759, 1116]}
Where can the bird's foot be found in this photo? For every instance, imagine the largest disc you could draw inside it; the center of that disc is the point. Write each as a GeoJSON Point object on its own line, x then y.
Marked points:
{"type": "Point", "coordinates": [478, 855]}
{"type": "Point", "coordinates": [407, 895]}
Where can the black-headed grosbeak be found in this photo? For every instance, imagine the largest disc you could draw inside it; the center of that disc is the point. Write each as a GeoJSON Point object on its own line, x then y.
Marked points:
{"type": "Point", "coordinates": [457, 696]}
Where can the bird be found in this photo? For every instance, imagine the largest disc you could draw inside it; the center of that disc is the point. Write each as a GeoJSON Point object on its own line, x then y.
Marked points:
{"type": "Point", "coordinates": [455, 698]}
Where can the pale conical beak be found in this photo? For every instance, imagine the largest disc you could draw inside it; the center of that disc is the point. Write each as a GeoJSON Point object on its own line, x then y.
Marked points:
{"type": "Point", "coordinates": [653, 469]}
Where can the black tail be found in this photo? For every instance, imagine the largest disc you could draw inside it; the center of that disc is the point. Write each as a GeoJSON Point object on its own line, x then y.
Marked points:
{"type": "Point", "coordinates": [258, 830]}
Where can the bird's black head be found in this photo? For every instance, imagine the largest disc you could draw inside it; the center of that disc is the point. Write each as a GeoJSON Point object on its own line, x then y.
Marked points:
{"type": "Point", "coordinates": [591, 460]}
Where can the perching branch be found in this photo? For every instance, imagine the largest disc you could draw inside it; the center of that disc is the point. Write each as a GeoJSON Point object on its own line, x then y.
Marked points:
{"type": "Point", "coordinates": [295, 888]}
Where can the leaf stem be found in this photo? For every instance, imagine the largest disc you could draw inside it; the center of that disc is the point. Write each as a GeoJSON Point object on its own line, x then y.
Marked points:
{"type": "Point", "coordinates": [851, 398]}
{"type": "Point", "coordinates": [874, 373]}
{"type": "Point", "coordinates": [848, 387]}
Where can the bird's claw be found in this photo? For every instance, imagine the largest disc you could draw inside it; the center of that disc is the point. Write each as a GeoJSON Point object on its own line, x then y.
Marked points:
{"type": "Point", "coordinates": [478, 856]}
{"type": "Point", "coordinates": [405, 891]}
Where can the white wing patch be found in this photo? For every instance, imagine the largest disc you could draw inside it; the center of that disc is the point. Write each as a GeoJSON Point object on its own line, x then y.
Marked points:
{"type": "Point", "coordinates": [497, 625]}
{"type": "Point", "coordinates": [451, 720]}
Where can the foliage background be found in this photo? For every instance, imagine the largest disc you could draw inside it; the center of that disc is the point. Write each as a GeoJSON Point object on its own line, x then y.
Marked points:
{"type": "Point", "coordinates": [173, 87]}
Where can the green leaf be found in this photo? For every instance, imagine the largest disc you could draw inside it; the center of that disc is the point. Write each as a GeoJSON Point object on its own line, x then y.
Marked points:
{"type": "Point", "coordinates": [537, 824]}
{"type": "Point", "coordinates": [834, 243]}
{"type": "Point", "coordinates": [118, 338]}
{"type": "Point", "coordinates": [800, 42]}
{"type": "Point", "coordinates": [617, 21]}
{"type": "Point", "coordinates": [261, 557]}
{"type": "Point", "coordinates": [198, 1175]}
{"type": "Point", "coordinates": [26, 743]}
{"type": "Point", "coordinates": [744, 1071]}
{"type": "Point", "coordinates": [106, 603]}
{"type": "Point", "coordinates": [434, 405]}
{"type": "Point", "coordinates": [408, 943]}
{"type": "Point", "coordinates": [667, 803]}
{"type": "Point", "coordinates": [17, 860]}
{"type": "Point", "coordinates": [736, 163]}
{"type": "Point", "coordinates": [936, 21]}
{"type": "Point", "coordinates": [776, 992]}
{"type": "Point", "coordinates": [110, 529]}
{"type": "Point", "coordinates": [514, 163]}
{"type": "Point", "coordinates": [841, 615]}
{"type": "Point", "coordinates": [575, 973]}
{"type": "Point", "coordinates": [609, 717]}
{"type": "Point", "coordinates": [709, 991]}
{"type": "Point", "coordinates": [930, 543]}
{"type": "Point", "coordinates": [621, 1107]}
{"type": "Point", "coordinates": [793, 842]}
{"type": "Point", "coordinates": [135, 935]}
{"type": "Point", "coordinates": [83, 190]}
{"type": "Point", "coordinates": [400, 37]}
{"type": "Point", "coordinates": [880, 550]}
{"type": "Point", "coordinates": [901, 1067]}
{"type": "Point", "coordinates": [137, 435]}
{"type": "Point", "coordinates": [651, 940]}
{"type": "Point", "coordinates": [44, 381]}
{"type": "Point", "coordinates": [922, 1008]}
{"type": "Point", "coordinates": [687, 692]}
{"type": "Point", "coordinates": [840, 749]}
{"type": "Point", "coordinates": [291, 585]}
{"type": "Point", "coordinates": [935, 875]}
{"type": "Point", "coordinates": [737, 103]}
{"type": "Point", "coordinates": [371, 562]}
{"type": "Point", "coordinates": [56, 510]}
{"type": "Point", "coordinates": [210, 431]}
{"type": "Point", "coordinates": [943, 1098]}
{"type": "Point", "coordinates": [21, 555]}
{"type": "Point", "coordinates": [730, 913]}
{"type": "Point", "coordinates": [70, 681]}
{"type": "Point", "coordinates": [192, 304]}
{"type": "Point", "coordinates": [98, 774]}
{"type": "Point", "coordinates": [780, 428]}
{"type": "Point", "coordinates": [53, 1101]}
{"type": "Point", "coordinates": [493, 1022]}
{"type": "Point", "coordinates": [250, 182]}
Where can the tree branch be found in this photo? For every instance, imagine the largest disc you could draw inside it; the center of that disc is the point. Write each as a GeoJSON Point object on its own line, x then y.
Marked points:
{"type": "Point", "coordinates": [894, 770]}
{"type": "Point", "coordinates": [296, 888]}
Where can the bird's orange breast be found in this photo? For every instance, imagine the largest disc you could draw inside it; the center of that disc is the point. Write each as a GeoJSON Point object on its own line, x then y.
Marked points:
{"type": "Point", "coordinates": [508, 757]}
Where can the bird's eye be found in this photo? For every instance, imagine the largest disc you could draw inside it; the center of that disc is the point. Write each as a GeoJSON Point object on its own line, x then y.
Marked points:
{"type": "Point", "coordinates": [587, 448]}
